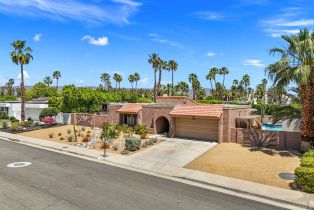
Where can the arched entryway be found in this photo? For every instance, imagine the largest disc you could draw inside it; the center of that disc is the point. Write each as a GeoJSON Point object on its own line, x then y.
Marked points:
{"type": "Point", "coordinates": [162, 125]}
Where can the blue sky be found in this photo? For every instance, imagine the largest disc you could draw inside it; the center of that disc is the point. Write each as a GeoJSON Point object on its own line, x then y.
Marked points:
{"type": "Point", "coordinates": [83, 39]}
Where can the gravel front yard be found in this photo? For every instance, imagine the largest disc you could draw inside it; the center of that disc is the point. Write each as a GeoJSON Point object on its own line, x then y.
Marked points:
{"type": "Point", "coordinates": [234, 160]}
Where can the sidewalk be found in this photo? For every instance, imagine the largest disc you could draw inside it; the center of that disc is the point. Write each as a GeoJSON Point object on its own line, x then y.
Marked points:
{"type": "Point", "coordinates": [267, 194]}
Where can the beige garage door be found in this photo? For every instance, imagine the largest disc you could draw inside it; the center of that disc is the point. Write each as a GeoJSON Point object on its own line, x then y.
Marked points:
{"type": "Point", "coordinates": [202, 129]}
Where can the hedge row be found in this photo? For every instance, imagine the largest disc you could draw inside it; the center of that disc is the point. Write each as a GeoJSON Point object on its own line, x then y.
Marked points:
{"type": "Point", "coordinates": [305, 173]}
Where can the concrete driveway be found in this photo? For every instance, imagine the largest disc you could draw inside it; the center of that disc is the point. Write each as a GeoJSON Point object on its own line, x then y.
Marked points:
{"type": "Point", "coordinates": [174, 152]}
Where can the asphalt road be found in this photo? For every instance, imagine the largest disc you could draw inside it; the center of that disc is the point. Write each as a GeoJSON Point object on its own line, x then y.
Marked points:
{"type": "Point", "coordinates": [56, 181]}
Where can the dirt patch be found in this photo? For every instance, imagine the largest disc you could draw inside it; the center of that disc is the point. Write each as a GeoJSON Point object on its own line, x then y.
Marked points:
{"type": "Point", "coordinates": [234, 160]}
{"type": "Point", "coordinates": [62, 133]}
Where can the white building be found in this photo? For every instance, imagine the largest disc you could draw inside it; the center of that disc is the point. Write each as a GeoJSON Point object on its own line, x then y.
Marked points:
{"type": "Point", "coordinates": [32, 108]}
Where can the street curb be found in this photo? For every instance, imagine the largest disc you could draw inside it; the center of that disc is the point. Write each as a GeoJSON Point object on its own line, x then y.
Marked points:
{"type": "Point", "coordinates": [182, 179]}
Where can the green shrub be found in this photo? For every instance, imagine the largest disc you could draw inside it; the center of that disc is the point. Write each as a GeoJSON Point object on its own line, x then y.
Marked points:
{"type": "Point", "coordinates": [307, 162]}
{"type": "Point", "coordinates": [142, 131]}
{"type": "Point", "coordinates": [4, 124]}
{"type": "Point", "coordinates": [309, 153]}
{"type": "Point", "coordinates": [30, 119]}
{"type": "Point", "coordinates": [16, 126]}
{"type": "Point", "coordinates": [13, 119]}
{"type": "Point", "coordinates": [49, 112]}
{"type": "Point", "coordinates": [70, 138]}
{"type": "Point", "coordinates": [304, 177]}
{"type": "Point", "coordinates": [132, 143]}
{"type": "Point", "coordinates": [27, 124]}
{"type": "Point", "coordinates": [110, 131]}
{"type": "Point", "coordinates": [4, 115]}
{"type": "Point", "coordinates": [268, 109]}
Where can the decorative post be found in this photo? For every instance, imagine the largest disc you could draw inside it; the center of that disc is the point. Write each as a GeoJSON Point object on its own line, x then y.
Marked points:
{"type": "Point", "coordinates": [94, 120]}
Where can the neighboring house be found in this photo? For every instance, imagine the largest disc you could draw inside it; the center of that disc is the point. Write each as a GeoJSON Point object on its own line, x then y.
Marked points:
{"type": "Point", "coordinates": [32, 108]}
{"type": "Point", "coordinates": [178, 115]}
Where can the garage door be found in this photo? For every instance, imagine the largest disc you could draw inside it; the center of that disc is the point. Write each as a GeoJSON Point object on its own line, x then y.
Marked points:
{"type": "Point", "coordinates": [199, 128]}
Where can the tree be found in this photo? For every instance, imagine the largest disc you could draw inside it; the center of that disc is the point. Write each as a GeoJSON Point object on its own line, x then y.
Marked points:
{"type": "Point", "coordinates": [56, 75]}
{"type": "Point", "coordinates": [183, 87]}
{"type": "Point", "coordinates": [223, 71]}
{"type": "Point", "coordinates": [48, 81]}
{"type": "Point", "coordinates": [193, 79]}
{"type": "Point", "coordinates": [117, 78]}
{"type": "Point", "coordinates": [21, 55]}
{"type": "Point", "coordinates": [173, 66]}
{"type": "Point", "coordinates": [105, 78]}
{"type": "Point", "coordinates": [154, 61]}
{"type": "Point", "coordinates": [210, 76]}
{"type": "Point", "coordinates": [9, 86]}
{"type": "Point", "coordinates": [131, 79]}
{"type": "Point", "coordinates": [296, 65]}
{"type": "Point", "coordinates": [214, 71]}
{"type": "Point", "coordinates": [137, 78]}
{"type": "Point", "coordinates": [163, 65]}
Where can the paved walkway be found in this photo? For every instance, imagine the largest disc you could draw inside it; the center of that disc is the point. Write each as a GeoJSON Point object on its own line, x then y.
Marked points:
{"type": "Point", "coordinates": [171, 168]}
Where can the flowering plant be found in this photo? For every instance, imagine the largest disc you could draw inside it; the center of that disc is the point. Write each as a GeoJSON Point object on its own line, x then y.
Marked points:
{"type": "Point", "coordinates": [48, 120]}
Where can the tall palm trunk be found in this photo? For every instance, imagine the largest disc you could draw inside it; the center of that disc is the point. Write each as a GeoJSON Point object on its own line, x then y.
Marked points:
{"type": "Point", "coordinates": [22, 95]}
{"type": "Point", "coordinates": [307, 113]}
{"type": "Point", "coordinates": [116, 85]}
{"type": "Point", "coordinates": [223, 81]}
{"type": "Point", "coordinates": [135, 85]}
{"type": "Point", "coordinates": [211, 84]}
{"type": "Point", "coordinates": [155, 85]}
{"type": "Point", "coordinates": [159, 82]}
{"type": "Point", "coordinates": [172, 89]}
{"type": "Point", "coordinates": [57, 84]}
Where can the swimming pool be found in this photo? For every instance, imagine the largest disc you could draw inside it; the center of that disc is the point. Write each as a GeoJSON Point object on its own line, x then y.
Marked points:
{"type": "Point", "coordinates": [271, 127]}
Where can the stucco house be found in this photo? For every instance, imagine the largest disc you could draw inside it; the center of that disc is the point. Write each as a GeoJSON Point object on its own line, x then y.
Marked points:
{"type": "Point", "coordinates": [32, 108]}
{"type": "Point", "coordinates": [178, 115]}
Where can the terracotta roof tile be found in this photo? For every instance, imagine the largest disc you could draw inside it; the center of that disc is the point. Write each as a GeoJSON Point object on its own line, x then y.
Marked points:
{"type": "Point", "coordinates": [130, 108]}
{"type": "Point", "coordinates": [213, 110]}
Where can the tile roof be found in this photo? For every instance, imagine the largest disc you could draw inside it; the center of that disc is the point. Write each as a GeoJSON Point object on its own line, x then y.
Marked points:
{"type": "Point", "coordinates": [130, 108]}
{"type": "Point", "coordinates": [212, 110]}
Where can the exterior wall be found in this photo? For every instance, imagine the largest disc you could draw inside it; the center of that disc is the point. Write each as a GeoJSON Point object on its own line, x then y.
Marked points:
{"type": "Point", "coordinates": [174, 100]}
{"type": "Point", "coordinates": [150, 114]}
{"type": "Point", "coordinates": [229, 116]}
{"type": "Point", "coordinates": [286, 140]}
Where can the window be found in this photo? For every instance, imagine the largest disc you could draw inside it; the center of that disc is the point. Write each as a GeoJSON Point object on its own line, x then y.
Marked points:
{"type": "Point", "coordinates": [4, 109]}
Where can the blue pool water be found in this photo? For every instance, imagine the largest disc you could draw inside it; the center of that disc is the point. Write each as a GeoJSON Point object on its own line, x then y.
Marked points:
{"type": "Point", "coordinates": [271, 127]}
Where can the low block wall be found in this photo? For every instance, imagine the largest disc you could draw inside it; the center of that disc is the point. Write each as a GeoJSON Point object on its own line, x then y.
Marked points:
{"type": "Point", "coordinates": [91, 120]}
{"type": "Point", "coordinates": [284, 139]}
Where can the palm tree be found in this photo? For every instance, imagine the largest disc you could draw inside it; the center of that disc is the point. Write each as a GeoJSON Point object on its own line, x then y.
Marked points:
{"type": "Point", "coordinates": [296, 65]}
{"type": "Point", "coordinates": [21, 55]}
{"type": "Point", "coordinates": [56, 75]}
{"type": "Point", "coordinates": [163, 65]}
{"type": "Point", "coordinates": [116, 78]}
{"type": "Point", "coordinates": [131, 79]}
{"type": "Point", "coordinates": [105, 78]}
{"type": "Point", "coordinates": [214, 71]}
{"type": "Point", "coordinates": [223, 71]}
{"type": "Point", "coordinates": [137, 78]}
{"type": "Point", "coordinates": [183, 87]}
{"type": "Point", "coordinates": [210, 76]}
{"type": "Point", "coordinates": [48, 81]}
{"type": "Point", "coordinates": [119, 80]}
{"type": "Point", "coordinates": [173, 66]}
{"type": "Point", "coordinates": [193, 79]}
{"type": "Point", "coordinates": [154, 61]}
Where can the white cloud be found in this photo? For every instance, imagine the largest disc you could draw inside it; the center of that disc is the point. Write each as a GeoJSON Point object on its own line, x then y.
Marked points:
{"type": "Point", "coordinates": [160, 39]}
{"type": "Point", "coordinates": [210, 54]}
{"type": "Point", "coordinates": [114, 11]}
{"type": "Point", "coordinates": [100, 41]}
{"type": "Point", "coordinates": [26, 75]}
{"type": "Point", "coordinates": [209, 16]}
{"type": "Point", "coordinates": [79, 81]}
{"type": "Point", "coordinates": [37, 37]}
{"type": "Point", "coordinates": [253, 62]}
